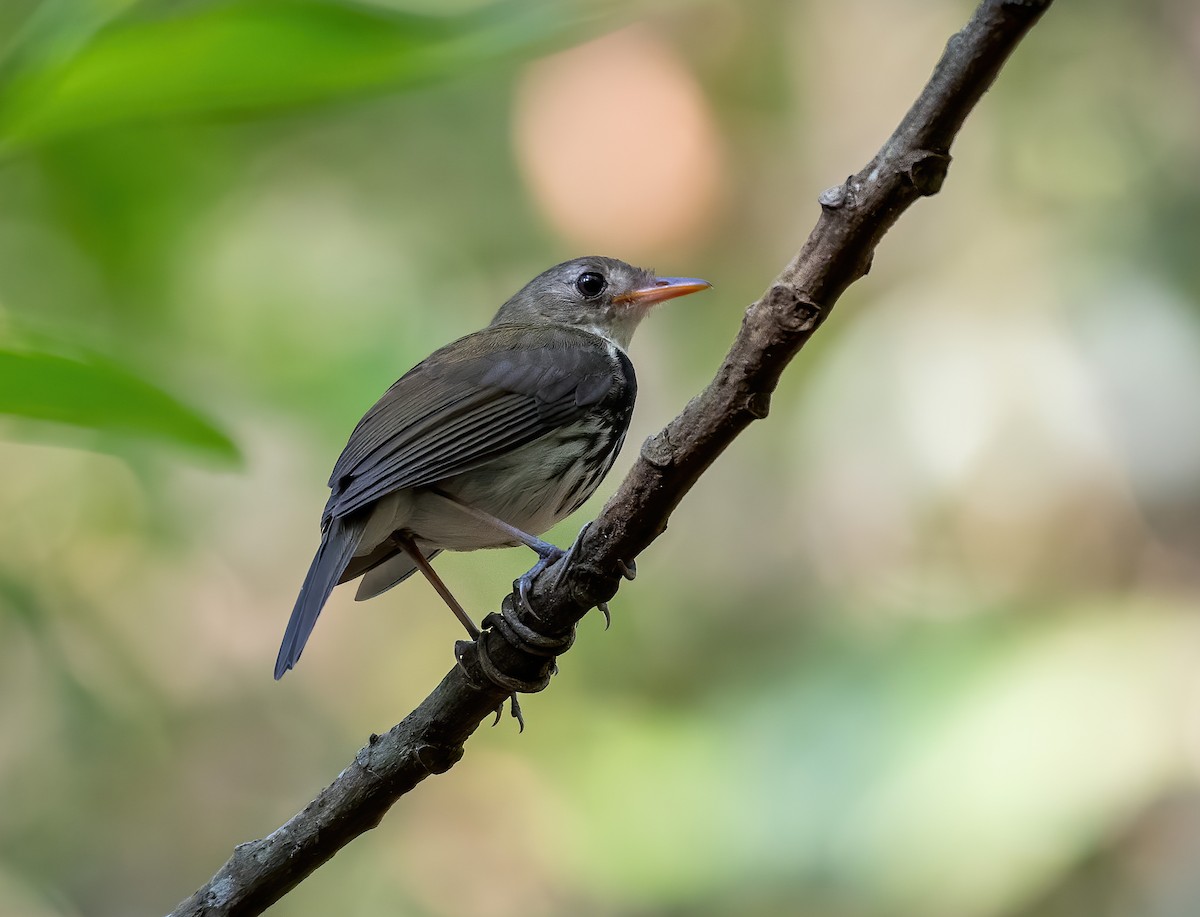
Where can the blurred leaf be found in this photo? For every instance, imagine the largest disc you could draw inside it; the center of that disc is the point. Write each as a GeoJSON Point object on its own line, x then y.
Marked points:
{"type": "Point", "coordinates": [102, 396]}
{"type": "Point", "coordinates": [253, 55]}
{"type": "Point", "coordinates": [51, 29]}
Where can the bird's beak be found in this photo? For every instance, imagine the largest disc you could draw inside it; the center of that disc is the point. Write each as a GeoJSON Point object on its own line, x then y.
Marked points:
{"type": "Point", "coordinates": [663, 288]}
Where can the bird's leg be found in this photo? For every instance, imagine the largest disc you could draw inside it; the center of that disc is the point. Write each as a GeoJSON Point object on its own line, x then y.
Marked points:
{"type": "Point", "coordinates": [410, 548]}
{"type": "Point", "coordinates": [546, 552]}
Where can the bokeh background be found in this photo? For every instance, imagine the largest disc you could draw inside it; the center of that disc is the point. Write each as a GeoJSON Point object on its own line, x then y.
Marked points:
{"type": "Point", "coordinates": [926, 642]}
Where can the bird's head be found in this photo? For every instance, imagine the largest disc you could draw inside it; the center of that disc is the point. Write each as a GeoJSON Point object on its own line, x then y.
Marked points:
{"type": "Point", "coordinates": [602, 295]}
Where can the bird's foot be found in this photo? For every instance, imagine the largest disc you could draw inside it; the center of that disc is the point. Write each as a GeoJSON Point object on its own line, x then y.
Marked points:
{"type": "Point", "coordinates": [547, 554]}
{"type": "Point", "coordinates": [552, 554]}
{"type": "Point", "coordinates": [464, 648]}
{"type": "Point", "coordinates": [524, 638]}
{"type": "Point", "coordinates": [475, 659]}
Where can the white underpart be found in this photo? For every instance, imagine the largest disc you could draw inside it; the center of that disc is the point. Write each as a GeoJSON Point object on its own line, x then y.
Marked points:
{"type": "Point", "coordinates": [531, 503]}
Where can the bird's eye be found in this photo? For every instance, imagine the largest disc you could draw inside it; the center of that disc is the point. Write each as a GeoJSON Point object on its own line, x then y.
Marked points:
{"type": "Point", "coordinates": [591, 284]}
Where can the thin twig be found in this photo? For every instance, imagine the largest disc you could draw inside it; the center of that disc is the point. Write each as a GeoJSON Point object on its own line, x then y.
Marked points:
{"type": "Point", "coordinates": [854, 217]}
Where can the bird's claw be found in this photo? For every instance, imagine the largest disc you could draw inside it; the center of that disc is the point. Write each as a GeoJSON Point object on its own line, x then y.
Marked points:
{"type": "Point", "coordinates": [516, 712]}
{"type": "Point", "coordinates": [628, 569]}
{"type": "Point", "coordinates": [523, 588]}
{"type": "Point", "coordinates": [603, 609]}
{"type": "Point", "coordinates": [461, 647]}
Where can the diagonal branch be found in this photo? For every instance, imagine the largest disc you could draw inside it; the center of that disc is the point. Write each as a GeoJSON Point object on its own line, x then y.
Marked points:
{"type": "Point", "coordinates": [514, 652]}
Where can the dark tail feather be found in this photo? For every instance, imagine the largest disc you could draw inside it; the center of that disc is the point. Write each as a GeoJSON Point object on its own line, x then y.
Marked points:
{"type": "Point", "coordinates": [338, 543]}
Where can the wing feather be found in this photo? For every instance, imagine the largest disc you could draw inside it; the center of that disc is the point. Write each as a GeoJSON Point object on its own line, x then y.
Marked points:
{"type": "Point", "coordinates": [481, 397]}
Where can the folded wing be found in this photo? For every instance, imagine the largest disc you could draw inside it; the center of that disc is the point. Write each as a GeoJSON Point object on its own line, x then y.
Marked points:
{"type": "Point", "coordinates": [486, 395]}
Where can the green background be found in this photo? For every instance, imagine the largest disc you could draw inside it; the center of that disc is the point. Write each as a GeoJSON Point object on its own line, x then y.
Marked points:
{"type": "Point", "coordinates": [925, 642]}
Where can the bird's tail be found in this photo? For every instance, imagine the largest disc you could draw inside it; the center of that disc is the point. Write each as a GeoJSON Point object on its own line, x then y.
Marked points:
{"type": "Point", "coordinates": [338, 544]}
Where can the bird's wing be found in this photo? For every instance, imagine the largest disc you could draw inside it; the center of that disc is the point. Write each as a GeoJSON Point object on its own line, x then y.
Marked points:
{"type": "Point", "coordinates": [478, 398]}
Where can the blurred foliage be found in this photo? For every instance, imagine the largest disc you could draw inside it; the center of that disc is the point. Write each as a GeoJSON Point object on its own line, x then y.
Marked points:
{"type": "Point", "coordinates": [101, 396]}
{"type": "Point", "coordinates": [191, 61]}
{"type": "Point", "coordinates": [925, 642]}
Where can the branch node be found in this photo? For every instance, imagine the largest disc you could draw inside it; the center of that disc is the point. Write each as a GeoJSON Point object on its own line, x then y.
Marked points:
{"type": "Point", "coordinates": [925, 170]}
{"type": "Point", "coordinates": [437, 759]}
{"type": "Point", "coordinates": [658, 451]}
{"type": "Point", "coordinates": [791, 311]}
{"type": "Point", "coordinates": [835, 198]}
{"type": "Point", "coordinates": [758, 405]}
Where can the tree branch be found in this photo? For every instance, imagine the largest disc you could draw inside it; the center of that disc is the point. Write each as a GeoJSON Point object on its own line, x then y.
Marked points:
{"type": "Point", "coordinates": [854, 217]}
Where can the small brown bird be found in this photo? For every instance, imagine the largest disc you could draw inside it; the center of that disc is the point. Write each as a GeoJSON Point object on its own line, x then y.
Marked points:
{"type": "Point", "coordinates": [489, 441]}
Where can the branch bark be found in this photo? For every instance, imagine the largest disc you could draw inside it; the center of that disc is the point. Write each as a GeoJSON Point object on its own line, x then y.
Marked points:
{"type": "Point", "coordinates": [516, 652]}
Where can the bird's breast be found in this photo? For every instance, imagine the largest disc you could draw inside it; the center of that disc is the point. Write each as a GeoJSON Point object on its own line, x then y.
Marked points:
{"type": "Point", "coordinates": [532, 487]}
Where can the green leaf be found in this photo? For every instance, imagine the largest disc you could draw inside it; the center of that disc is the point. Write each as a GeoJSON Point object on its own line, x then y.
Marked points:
{"type": "Point", "coordinates": [99, 395]}
{"type": "Point", "coordinates": [248, 56]}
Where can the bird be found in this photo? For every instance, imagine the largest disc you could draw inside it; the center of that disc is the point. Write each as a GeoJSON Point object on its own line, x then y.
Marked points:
{"type": "Point", "coordinates": [489, 441]}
